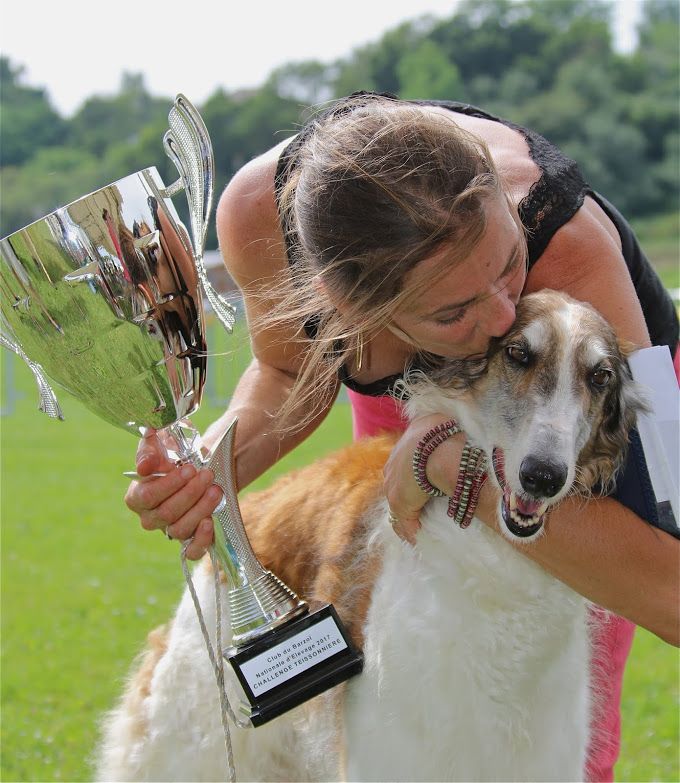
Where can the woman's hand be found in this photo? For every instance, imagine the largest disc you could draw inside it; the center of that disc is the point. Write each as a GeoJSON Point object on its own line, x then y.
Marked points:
{"type": "Point", "coordinates": [404, 497]}
{"type": "Point", "coordinates": [180, 503]}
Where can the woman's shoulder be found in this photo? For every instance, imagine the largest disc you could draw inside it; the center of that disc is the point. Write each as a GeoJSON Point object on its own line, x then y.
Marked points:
{"type": "Point", "coordinates": [248, 228]}
{"type": "Point", "coordinates": [584, 259]}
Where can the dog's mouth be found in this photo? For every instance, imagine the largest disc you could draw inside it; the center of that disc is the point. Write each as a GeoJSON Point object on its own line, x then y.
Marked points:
{"type": "Point", "coordinates": [523, 516]}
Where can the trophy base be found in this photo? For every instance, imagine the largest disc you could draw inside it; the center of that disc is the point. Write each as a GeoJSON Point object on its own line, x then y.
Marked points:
{"type": "Point", "coordinates": [290, 665]}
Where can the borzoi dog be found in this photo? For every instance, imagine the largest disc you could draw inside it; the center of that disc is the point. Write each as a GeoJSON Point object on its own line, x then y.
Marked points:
{"type": "Point", "coordinates": [476, 660]}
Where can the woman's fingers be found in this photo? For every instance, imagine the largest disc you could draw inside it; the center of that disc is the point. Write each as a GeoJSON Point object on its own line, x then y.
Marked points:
{"type": "Point", "coordinates": [175, 503]}
{"type": "Point", "coordinates": [180, 502]}
{"type": "Point", "coordinates": [151, 455]}
{"type": "Point", "coordinates": [406, 528]}
{"type": "Point", "coordinates": [404, 495]}
{"type": "Point", "coordinates": [203, 538]}
{"type": "Point", "coordinates": [147, 495]}
{"type": "Point", "coordinates": [185, 510]}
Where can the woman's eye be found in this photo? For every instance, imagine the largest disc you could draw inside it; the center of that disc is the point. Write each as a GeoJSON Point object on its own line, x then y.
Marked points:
{"type": "Point", "coordinates": [514, 265]}
{"type": "Point", "coordinates": [452, 319]}
{"type": "Point", "coordinates": [518, 354]}
{"type": "Point", "coordinates": [600, 377]}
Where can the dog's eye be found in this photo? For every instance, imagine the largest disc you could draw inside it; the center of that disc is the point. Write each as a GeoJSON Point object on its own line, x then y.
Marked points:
{"type": "Point", "coordinates": [518, 354]}
{"type": "Point", "coordinates": [600, 377]}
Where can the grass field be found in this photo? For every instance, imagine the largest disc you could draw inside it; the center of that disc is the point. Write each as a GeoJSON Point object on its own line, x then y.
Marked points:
{"type": "Point", "coordinates": [82, 584]}
{"type": "Point", "coordinates": [659, 238]}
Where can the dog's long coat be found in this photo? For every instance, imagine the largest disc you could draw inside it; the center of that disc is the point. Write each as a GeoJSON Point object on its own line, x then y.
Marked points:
{"type": "Point", "coordinates": [476, 660]}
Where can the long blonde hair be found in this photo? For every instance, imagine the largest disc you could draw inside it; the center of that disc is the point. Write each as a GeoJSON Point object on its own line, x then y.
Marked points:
{"type": "Point", "coordinates": [377, 186]}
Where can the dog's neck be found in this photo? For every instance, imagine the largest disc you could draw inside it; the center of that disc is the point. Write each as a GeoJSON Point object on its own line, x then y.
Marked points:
{"type": "Point", "coordinates": [463, 409]}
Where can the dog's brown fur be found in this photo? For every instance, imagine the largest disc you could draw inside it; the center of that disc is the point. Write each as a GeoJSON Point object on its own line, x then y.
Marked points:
{"type": "Point", "coordinates": [317, 512]}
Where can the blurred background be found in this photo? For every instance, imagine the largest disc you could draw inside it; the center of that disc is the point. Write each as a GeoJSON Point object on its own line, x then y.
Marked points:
{"type": "Point", "coordinates": [600, 79]}
{"type": "Point", "coordinates": [84, 98]}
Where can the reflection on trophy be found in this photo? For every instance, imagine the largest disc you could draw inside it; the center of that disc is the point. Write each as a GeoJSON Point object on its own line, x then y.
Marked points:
{"type": "Point", "coordinates": [104, 296]}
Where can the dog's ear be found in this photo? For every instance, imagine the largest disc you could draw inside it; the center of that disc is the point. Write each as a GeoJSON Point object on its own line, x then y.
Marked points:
{"type": "Point", "coordinates": [627, 397]}
{"type": "Point", "coordinates": [609, 445]}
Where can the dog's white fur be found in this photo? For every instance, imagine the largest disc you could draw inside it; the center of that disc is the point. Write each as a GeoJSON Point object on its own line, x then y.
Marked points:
{"type": "Point", "coordinates": [476, 660]}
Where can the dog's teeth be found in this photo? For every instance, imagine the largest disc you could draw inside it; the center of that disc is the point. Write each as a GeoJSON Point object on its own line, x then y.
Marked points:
{"type": "Point", "coordinates": [522, 520]}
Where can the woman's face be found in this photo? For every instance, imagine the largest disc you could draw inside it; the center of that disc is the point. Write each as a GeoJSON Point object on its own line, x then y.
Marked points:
{"type": "Point", "coordinates": [457, 315]}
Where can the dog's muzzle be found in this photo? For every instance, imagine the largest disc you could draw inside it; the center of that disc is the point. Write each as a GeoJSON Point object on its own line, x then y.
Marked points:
{"type": "Point", "coordinates": [524, 513]}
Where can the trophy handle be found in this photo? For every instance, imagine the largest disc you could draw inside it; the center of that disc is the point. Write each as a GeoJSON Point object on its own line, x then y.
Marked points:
{"type": "Point", "coordinates": [188, 146]}
{"type": "Point", "coordinates": [48, 399]}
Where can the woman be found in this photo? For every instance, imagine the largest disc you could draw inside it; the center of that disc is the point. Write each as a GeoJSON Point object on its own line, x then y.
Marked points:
{"type": "Point", "coordinates": [390, 233]}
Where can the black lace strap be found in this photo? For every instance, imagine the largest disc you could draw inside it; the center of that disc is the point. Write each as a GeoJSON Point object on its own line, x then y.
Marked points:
{"type": "Point", "coordinates": [556, 195]}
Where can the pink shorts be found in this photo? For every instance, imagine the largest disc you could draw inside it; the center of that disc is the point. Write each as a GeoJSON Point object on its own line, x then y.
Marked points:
{"type": "Point", "coordinates": [371, 415]}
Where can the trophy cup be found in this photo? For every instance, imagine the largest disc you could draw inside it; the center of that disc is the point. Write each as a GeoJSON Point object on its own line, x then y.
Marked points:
{"type": "Point", "coordinates": [104, 296]}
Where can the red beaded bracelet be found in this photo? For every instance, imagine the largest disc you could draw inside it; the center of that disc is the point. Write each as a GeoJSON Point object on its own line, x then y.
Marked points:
{"type": "Point", "coordinates": [471, 473]}
{"type": "Point", "coordinates": [426, 445]}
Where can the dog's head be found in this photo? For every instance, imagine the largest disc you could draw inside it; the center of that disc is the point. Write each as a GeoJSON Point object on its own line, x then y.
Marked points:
{"type": "Point", "coordinates": [552, 409]}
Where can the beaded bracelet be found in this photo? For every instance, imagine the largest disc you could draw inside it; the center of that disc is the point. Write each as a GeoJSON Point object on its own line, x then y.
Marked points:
{"type": "Point", "coordinates": [426, 445]}
{"type": "Point", "coordinates": [471, 473]}
{"type": "Point", "coordinates": [471, 477]}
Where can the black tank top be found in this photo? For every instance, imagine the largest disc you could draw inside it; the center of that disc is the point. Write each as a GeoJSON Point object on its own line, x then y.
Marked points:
{"type": "Point", "coordinates": [551, 202]}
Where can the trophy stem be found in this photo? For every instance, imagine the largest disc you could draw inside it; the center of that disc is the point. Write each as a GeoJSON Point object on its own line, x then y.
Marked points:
{"type": "Point", "coordinates": [259, 601]}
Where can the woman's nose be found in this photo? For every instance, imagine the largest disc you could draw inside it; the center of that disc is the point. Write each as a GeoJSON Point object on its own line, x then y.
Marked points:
{"type": "Point", "coordinates": [498, 314]}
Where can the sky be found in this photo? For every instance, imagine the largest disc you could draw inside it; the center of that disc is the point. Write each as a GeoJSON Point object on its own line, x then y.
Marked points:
{"type": "Point", "coordinates": [77, 48]}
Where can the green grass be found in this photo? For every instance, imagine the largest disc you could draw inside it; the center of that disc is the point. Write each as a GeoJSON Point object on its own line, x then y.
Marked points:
{"type": "Point", "coordinates": [650, 745]}
{"type": "Point", "coordinates": [659, 239]}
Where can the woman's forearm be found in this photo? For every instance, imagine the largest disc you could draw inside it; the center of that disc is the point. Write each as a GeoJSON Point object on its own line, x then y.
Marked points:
{"type": "Point", "coordinates": [597, 546]}
{"type": "Point", "coordinates": [608, 554]}
{"type": "Point", "coordinates": [260, 441]}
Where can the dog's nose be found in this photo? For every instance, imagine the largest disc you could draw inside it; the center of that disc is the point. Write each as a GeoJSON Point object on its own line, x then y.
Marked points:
{"type": "Point", "coordinates": [540, 478]}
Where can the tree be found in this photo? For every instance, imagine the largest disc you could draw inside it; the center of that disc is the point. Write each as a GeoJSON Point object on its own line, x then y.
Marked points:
{"type": "Point", "coordinates": [27, 120]}
{"type": "Point", "coordinates": [426, 71]}
{"type": "Point", "coordinates": [104, 121]}
{"type": "Point", "coordinates": [354, 73]}
{"type": "Point", "coordinates": [548, 65]}
{"type": "Point", "coordinates": [307, 82]}
{"type": "Point", "coordinates": [485, 37]}
{"type": "Point", "coordinates": [376, 65]}
{"type": "Point", "coordinates": [53, 177]}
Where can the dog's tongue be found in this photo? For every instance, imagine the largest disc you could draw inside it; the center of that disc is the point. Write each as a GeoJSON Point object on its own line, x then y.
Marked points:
{"type": "Point", "coordinates": [526, 506]}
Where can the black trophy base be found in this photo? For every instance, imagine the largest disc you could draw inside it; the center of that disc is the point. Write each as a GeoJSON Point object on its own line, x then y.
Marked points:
{"type": "Point", "coordinates": [295, 662]}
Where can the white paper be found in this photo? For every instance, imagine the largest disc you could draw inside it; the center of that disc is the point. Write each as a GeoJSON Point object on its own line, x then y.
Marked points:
{"type": "Point", "coordinates": [659, 430]}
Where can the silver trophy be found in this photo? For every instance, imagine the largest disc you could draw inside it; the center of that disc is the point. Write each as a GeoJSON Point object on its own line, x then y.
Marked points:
{"type": "Point", "coordinates": [105, 297]}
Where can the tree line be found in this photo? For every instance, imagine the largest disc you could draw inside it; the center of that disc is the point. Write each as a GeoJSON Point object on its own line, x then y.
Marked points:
{"type": "Point", "coordinates": [547, 64]}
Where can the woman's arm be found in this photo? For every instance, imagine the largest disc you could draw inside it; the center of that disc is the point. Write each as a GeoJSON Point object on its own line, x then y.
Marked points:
{"type": "Point", "coordinates": [254, 253]}
{"type": "Point", "coordinates": [253, 249]}
{"type": "Point", "coordinates": [597, 546]}
{"type": "Point", "coordinates": [606, 553]}
{"type": "Point", "coordinates": [259, 394]}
